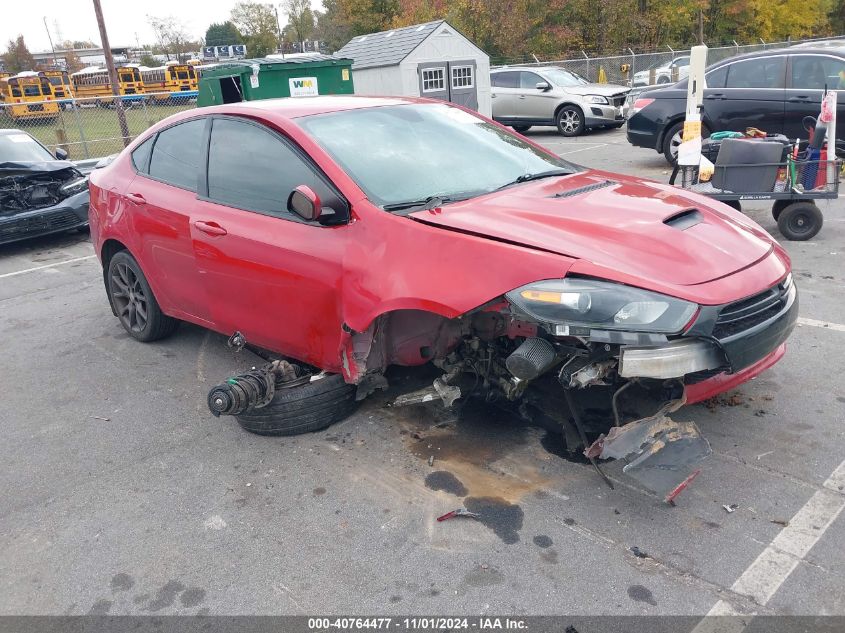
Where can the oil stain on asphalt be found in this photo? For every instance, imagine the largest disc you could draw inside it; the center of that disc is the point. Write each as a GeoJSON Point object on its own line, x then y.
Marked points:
{"type": "Point", "coordinates": [447, 482]}
{"type": "Point", "coordinates": [638, 593]}
{"type": "Point", "coordinates": [505, 519]}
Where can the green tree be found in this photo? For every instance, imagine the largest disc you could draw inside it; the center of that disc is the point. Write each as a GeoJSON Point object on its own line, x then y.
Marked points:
{"type": "Point", "coordinates": [222, 34]}
{"type": "Point", "coordinates": [17, 57]}
{"type": "Point", "coordinates": [257, 24]}
{"type": "Point", "coordinates": [300, 20]}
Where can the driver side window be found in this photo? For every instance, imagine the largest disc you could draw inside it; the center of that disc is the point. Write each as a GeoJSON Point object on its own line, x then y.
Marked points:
{"type": "Point", "coordinates": [253, 169]}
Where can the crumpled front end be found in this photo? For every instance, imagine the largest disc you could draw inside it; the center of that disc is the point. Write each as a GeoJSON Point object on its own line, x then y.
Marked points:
{"type": "Point", "coordinates": [41, 198]}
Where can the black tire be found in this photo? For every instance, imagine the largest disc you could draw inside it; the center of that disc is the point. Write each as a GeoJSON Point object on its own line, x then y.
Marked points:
{"type": "Point", "coordinates": [671, 140]}
{"type": "Point", "coordinates": [778, 206]}
{"type": "Point", "coordinates": [133, 300]}
{"type": "Point", "coordinates": [616, 126]}
{"type": "Point", "coordinates": [303, 409]}
{"type": "Point", "coordinates": [570, 121]}
{"type": "Point", "coordinates": [522, 129]}
{"type": "Point", "coordinates": [662, 80]}
{"type": "Point", "coordinates": [733, 204]}
{"type": "Point", "coordinates": [800, 221]}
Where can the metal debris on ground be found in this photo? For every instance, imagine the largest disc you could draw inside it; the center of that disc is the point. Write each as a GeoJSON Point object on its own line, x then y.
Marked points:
{"type": "Point", "coordinates": [730, 508]}
{"type": "Point", "coordinates": [660, 452]}
{"type": "Point", "coordinates": [431, 460]}
{"type": "Point", "coordinates": [97, 417]}
{"type": "Point", "coordinates": [780, 522]}
{"type": "Point", "coordinates": [460, 512]}
{"type": "Point", "coordinates": [636, 551]}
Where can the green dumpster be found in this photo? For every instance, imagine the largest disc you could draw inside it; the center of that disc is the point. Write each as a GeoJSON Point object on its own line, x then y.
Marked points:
{"type": "Point", "coordinates": [270, 78]}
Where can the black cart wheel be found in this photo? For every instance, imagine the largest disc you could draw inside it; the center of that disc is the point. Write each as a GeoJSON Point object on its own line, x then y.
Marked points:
{"type": "Point", "coordinates": [570, 121]}
{"type": "Point", "coordinates": [310, 407]}
{"type": "Point", "coordinates": [800, 221]}
{"type": "Point", "coordinates": [522, 129]}
{"type": "Point", "coordinates": [734, 204]}
{"type": "Point", "coordinates": [133, 301]}
{"type": "Point", "coordinates": [780, 205]}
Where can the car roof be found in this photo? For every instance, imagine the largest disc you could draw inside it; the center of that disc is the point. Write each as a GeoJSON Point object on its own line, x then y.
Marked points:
{"type": "Point", "coordinates": [779, 51]}
{"type": "Point", "coordinates": [292, 108]}
{"type": "Point", "coordinates": [8, 131]}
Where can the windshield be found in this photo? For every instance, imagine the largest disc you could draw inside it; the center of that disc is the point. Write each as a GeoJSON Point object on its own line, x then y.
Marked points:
{"type": "Point", "coordinates": [403, 153]}
{"type": "Point", "coordinates": [564, 78]}
{"type": "Point", "coordinates": [21, 148]}
{"type": "Point", "coordinates": [56, 81]}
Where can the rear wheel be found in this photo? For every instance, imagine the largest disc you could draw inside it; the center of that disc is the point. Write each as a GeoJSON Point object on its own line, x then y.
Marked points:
{"type": "Point", "coordinates": [570, 121]}
{"type": "Point", "coordinates": [672, 140]}
{"type": "Point", "coordinates": [305, 408]}
{"type": "Point", "coordinates": [522, 129]}
{"type": "Point", "coordinates": [800, 221]}
{"type": "Point", "coordinates": [133, 301]}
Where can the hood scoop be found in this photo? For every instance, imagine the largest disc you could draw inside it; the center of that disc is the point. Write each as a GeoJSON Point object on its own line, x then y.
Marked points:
{"type": "Point", "coordinates": [684, 220]}
{"type": "Point", "coordinates": [585, 189]}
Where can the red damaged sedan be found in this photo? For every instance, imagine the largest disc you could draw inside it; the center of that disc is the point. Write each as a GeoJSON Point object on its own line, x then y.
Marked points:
{"type": "Point", "coordinates": [340, 235]}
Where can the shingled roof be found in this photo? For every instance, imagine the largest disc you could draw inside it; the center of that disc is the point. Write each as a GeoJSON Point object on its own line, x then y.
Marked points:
{"type": "Point", "coordinates": [386, 48]}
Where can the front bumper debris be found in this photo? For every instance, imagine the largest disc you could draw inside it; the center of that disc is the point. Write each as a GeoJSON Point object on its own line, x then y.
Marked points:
{"type": "Point", "coordinates": [662, 454]}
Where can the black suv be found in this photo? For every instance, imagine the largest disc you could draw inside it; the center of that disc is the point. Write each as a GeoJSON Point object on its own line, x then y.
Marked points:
{"type": "Point", "coordinates": [771, 90]}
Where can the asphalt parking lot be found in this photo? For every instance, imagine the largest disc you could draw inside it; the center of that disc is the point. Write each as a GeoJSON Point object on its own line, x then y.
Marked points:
{"type": "Point", "coordinates": [123, 495]}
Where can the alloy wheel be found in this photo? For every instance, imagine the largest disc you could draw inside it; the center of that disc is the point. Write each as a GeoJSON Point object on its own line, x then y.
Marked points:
{"type": "Point", "coordinates": [570, 121]}
{"type": "Point", "coordinates": [129, 298]}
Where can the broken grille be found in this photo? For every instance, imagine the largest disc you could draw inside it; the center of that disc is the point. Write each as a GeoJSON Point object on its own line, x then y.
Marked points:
{"type": "Point", "coordinates": [744, 314]}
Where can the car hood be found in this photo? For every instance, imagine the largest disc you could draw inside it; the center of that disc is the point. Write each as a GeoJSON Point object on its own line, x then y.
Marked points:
{"type": "Point", "coordinates": [640, 228]}
{"type": "Point", "coordinates": [605, 90]}
{"type": "Point", "coordinates": [10, 168]}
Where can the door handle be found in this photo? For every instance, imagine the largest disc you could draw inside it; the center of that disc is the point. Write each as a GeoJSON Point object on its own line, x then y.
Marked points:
{"type": "Point", "coordinates": [211, 228]}
{"type": "Point", "coordinates": [720, 96]}
{"type": "Point", "coordinates": [522, 96]}
{"type": "Point", "coordinates": [137, 198]}
{"type": "Point", "coordinates": [797, 98]}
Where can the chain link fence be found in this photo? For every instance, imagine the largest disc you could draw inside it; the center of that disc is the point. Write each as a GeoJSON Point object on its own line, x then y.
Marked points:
{"type": "Point", "coordinates": [641, 70]}
{"type": "Point", "coordinates": [90, 128]}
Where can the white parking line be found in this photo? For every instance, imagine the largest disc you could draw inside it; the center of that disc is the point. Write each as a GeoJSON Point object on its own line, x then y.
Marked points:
{"type": "Point", "coordinates": [773, 566]}
{"type": "Point", "coordinates": [53, 265]}
{"type": "Point", "coordinates": [825, 324]}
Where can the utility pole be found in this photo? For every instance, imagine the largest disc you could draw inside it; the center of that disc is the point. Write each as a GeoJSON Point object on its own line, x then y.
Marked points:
{"type": "Point", "coordinates": [279, 31]}
{"type": "Point", "coordinates": [115, 86]}
{"type": "Point", "coordinates": [52, 48]}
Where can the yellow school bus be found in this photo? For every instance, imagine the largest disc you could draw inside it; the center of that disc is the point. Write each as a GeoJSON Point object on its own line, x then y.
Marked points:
{"type": "Point", "coordinates": [94, 82]}
{"type": "Point", "coordinates": [60, 81]}
{"type": "Point", "coordinates": [170, 81]}
{"type": "Point", "coordinates": [28, 96]}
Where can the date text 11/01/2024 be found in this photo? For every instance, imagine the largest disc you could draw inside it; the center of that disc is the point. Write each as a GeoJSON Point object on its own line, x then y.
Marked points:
{"type": "Point", "coordinates": [415, 624]}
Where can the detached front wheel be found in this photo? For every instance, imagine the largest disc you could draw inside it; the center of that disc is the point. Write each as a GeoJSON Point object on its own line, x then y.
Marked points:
{"type": "Point", "coordinates": [305, 408]}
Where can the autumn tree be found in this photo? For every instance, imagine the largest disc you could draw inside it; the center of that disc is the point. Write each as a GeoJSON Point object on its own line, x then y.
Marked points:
{"type": "Point", "coordinates": [17, 57]}
{"type": "Point", "coordinates": [257, 24]}
{"type": "Point", "coordinates": [300, 20]}
{"type": "Point", "coordinates": [170, 36]}
{"type": "Point", "coordinates": [222, 34]}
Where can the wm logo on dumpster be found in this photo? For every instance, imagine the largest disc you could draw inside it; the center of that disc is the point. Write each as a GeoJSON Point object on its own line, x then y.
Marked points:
{"type": "Point", "coordinates": [303, 86]}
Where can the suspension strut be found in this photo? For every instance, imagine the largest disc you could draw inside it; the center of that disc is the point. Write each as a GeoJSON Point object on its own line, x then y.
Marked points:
{"type": "Point", "coordinates": [253, 389]}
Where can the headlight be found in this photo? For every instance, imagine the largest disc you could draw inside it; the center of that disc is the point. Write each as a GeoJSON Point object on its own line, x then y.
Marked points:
{"type": "Point", "coordinates": [74, 186]}
{"type": "Point", "coordinates": [596, 99]}
{"type": "Point", "coordinates": [601, 305]}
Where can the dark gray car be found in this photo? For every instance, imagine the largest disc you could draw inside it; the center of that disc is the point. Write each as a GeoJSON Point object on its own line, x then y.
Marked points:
{"type": "Point", "coordinates": [39, 192]}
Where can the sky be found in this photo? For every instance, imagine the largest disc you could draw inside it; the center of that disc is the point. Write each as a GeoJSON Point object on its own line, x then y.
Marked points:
{"type": "Point", "coordinates": [126, 20]}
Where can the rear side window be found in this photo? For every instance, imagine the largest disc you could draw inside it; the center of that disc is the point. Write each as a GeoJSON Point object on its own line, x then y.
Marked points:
{"type": "Point", "coordinates": [505, 80]}
{"type": "Point", "coordinates": [176, 154]}
{"type": "Point", "coordinates": [817, 72]}
{"type": "Point", "coordinates": [767, 72]}
{"type": "Point", "coordinates": [529, 80]}
{"type": "Point", "coordinates": [251, 168]}
{"type": "Point", "coordinates": [141, 155]}
{"type": "Point", "coordinates": [716, 78]}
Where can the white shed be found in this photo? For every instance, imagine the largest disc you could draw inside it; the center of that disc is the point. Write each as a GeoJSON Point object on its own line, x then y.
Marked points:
{"type": "Point", "coordinates": [425, 60]}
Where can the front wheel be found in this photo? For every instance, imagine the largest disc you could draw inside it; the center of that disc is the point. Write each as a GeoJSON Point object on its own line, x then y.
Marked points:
{"type": "Point", "coordinates": [522, 129]}
{"type": "Point", "coordinates": [800, 221]}
{"type": "Point", "coordinates": [133, 301]}
{"type": "Point", "coordinates": [672, 140]}
{"type": "Point", "coordinates": [570, 121]}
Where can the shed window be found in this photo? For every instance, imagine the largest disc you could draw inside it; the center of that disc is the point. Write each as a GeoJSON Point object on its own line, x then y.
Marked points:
{"type": "Point", "coordinates": [462, 77]}
{"type": "Point", "coordinates": [434, 79]}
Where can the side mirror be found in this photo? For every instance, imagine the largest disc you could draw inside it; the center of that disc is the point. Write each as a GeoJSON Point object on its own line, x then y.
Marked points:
{"type": "Point", "coordinates": [61, 154]}
{"type": "Point", "coordinates": [305, 203]}
{"type": "Point", "coordinates": [543, 85]}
